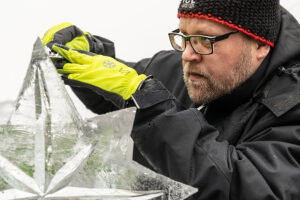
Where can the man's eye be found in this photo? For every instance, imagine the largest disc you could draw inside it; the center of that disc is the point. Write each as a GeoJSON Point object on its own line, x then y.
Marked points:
{"type": "Point", "coordinates": [201, 40]}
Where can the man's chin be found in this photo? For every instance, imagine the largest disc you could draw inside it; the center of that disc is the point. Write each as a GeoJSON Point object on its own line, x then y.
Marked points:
{"type": "Point", "coordinates": [195, 93]}
{"type": "Point", "coordinates": [200, 93]}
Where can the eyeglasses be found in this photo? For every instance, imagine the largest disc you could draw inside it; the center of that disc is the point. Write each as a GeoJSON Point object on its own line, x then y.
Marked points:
{"type": "Point", "coordinates": [201, 44]}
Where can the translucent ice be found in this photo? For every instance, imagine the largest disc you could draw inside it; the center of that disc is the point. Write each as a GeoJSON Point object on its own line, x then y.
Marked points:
{"type": "Point", "coordinates": [48, 152]}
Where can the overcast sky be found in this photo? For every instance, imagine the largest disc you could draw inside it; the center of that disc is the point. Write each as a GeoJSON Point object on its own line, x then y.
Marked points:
{"type": "Point", "coordinates": [139, 29]}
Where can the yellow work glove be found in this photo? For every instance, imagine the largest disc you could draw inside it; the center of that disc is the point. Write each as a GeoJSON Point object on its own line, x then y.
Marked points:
{"type": "Point", "coordinates": [72, 37]}
{"type": "Point", "coordinates": [100, 71]}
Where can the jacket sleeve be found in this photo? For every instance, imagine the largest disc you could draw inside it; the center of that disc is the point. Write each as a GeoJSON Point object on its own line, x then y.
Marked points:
{"type": "Point", "coordinates": [180, 144]}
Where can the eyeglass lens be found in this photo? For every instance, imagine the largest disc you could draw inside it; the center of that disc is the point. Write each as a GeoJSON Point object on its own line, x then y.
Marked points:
{"type": "Point", "coordinates": [200, 44]}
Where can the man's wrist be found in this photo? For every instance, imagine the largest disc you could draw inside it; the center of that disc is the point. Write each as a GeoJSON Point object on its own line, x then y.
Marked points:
{"type": "Point", "coordinates": [150, 93]}
{"type": "Point", "coordinates": [143, 82]}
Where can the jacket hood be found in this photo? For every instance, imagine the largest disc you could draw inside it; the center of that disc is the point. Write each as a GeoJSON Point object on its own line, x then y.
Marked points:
{"type": "Point", "coordinates": [285, 52]}
{"type": "Point", "coordinates": [287, 46]}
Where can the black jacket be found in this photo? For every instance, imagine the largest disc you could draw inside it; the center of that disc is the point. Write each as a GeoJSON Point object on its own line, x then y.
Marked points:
{"type": "Point", "coordinates": [245, 145]}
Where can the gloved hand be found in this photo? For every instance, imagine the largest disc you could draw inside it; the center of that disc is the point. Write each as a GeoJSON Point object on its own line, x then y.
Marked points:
{"type": "Point", "coordinates": [71, 36]}
{"type": "Point", "coordinates": [102, 72]}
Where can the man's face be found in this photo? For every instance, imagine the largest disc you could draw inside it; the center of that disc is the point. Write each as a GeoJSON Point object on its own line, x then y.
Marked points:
{"type": "Point", "coordinates": [209, 77]}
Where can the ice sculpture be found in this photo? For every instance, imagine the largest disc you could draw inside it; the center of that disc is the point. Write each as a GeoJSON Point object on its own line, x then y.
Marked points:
{"type": "Point", "coordinates": [48, 152]}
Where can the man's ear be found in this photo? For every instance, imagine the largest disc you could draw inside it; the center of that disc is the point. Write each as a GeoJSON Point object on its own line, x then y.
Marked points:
{"type": "Point", "coordinates": [262, 50]}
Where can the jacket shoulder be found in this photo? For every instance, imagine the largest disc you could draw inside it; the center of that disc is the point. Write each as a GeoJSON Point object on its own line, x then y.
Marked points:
{"type": "Point", "coordinates": [282, 92]}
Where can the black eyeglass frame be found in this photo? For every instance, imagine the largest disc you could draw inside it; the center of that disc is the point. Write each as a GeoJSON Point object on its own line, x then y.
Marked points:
{"type": "Point", "coordinates": [212, 39]}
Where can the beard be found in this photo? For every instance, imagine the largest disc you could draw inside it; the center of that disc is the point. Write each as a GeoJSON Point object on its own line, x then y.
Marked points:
{"type": "Point", "coordinates": [209, 87]}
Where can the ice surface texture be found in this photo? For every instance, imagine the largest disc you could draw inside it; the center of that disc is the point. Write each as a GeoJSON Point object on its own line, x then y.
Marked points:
{"type": "Point", "coordinates": [48, 152]}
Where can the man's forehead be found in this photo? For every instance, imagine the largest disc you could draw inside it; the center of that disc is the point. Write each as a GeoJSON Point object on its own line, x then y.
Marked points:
{"type": "Point", "coordinates": [202, 26]}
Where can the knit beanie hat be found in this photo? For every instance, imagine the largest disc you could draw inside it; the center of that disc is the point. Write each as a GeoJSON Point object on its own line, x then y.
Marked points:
{"type": "Point", "coordinates": [259, 19]}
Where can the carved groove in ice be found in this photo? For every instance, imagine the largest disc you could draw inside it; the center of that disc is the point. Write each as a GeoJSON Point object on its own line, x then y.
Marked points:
{"type": "Point", "coordinates": [48, 152]}
{"type": "Point", "coordinates": [16, 177]}
{"type": "Point", "coordinates": [64, 175]}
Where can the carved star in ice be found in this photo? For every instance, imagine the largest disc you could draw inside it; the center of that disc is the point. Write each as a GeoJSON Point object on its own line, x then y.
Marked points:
{"type": "Point", "coordinates": [26, 187]}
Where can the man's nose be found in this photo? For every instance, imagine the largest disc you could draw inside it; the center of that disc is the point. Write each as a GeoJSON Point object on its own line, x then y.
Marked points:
{"type": "Point", "coordinates": [189, 54]}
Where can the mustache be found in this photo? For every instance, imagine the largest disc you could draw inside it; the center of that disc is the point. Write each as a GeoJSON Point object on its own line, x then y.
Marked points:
{"type": "Point", "coordinates": [189, 69]}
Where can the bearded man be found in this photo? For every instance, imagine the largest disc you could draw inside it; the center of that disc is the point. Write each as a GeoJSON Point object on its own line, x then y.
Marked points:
{"type": "Point", "coordinates": [221, 113]}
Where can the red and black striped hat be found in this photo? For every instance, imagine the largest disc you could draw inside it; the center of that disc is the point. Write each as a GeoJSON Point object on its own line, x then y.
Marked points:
{"type": "Point", "coordinates": [259, 19]}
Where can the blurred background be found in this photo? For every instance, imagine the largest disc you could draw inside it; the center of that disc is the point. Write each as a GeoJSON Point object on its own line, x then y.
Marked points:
{"type": "Point", "coordinates": [139, 29]}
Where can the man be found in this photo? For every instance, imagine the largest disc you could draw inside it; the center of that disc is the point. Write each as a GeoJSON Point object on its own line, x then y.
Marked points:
{"type": "Point", "coordinates": [240, 138]}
